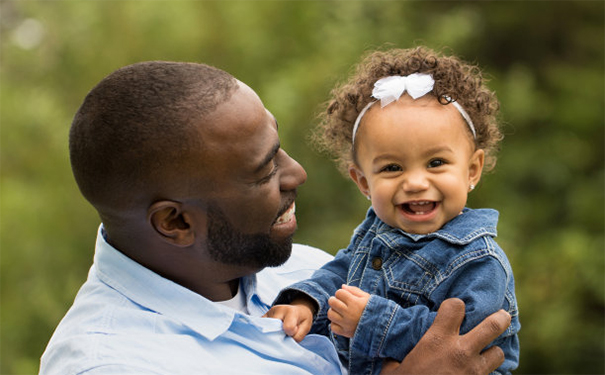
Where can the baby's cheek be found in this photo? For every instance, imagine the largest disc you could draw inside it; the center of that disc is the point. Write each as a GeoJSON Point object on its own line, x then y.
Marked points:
{"type": "Point", "coordinates": [384, 209]}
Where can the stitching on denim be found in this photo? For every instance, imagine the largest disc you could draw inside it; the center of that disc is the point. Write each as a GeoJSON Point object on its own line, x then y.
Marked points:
{"type": "Point", "coordinates": [470, 237]}
{"type": "Point", "coordinates": [356, 266]}
{"type": "Point", "coordinates": [384, 332]}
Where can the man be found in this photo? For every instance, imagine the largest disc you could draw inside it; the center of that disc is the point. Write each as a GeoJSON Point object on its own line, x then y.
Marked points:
{"type": "Point", "coordinates": [184, 166]}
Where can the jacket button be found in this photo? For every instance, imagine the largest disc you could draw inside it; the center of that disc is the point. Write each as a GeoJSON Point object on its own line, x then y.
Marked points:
{"type": "Point", "coordinates": [377, 263]}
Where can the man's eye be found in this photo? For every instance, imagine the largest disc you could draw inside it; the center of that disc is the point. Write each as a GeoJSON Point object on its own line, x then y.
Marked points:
{"type": "Point", "coordinates": [436, 163]}
{"type": "Point", "coordinates": [391, 168]}
{"type": "Point", "coordinates": [268, 177]}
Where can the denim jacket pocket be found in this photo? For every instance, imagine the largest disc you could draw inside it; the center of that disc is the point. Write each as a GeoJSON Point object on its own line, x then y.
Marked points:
{"type": "Point", "coordinates": [409, 279]}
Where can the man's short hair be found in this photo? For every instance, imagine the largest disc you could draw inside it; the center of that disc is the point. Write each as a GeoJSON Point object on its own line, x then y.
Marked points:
{"type": "Point", "coordinates": [138, 122]}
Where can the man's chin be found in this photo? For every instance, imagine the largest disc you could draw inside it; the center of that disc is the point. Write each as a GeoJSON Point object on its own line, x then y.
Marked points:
{"type": "Point", "coordinates": [229, 246]}
{"type": "Point", "coordinates": [281, 257]}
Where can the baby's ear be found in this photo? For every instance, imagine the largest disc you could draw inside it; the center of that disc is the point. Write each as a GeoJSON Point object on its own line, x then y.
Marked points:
{"type": "Point", "coordinates": [359, 178]}
{"type": "Point", "coordinates": [475, 167]}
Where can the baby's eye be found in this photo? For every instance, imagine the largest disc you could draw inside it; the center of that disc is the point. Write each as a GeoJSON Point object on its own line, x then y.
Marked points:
{"type": "Point", "coordinates": [436, 163]}
{"type": "Point", "coordinates": [391, 168]}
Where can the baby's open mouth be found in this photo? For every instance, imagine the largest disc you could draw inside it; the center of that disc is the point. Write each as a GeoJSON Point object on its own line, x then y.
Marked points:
{"type": "Point", "coordinates": [419, 207]}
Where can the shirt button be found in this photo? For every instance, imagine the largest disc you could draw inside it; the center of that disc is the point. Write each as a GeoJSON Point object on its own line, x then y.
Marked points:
{"type": "Point", "coordinates": [377, 263]}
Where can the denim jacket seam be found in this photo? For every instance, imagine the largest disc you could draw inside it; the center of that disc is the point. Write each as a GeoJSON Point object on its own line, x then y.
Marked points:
{"type": "Point", "coordinates": [382, 336]}
{"type": "Point", "coordinates": [357, 262]}
{"type": "Point", "coordinates": [439, 277]}
{"type": "Point", "coordinates": [471, 254]}
{"type": "Point", "coordinates": [386, 330]}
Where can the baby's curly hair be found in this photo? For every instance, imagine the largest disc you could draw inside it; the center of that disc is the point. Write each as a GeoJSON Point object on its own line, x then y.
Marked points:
{"type": "Point", "coordinates": [460, 81]}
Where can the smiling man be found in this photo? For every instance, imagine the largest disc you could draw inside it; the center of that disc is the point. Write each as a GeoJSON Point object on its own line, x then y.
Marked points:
{"type": "Point", "coordinates": [196, 197]}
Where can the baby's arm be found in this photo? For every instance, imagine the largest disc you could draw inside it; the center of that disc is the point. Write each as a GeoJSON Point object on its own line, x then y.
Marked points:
{"type": "Point", "coordinates": [297, 317]}
{"type": "Point", "coordinates": [346, 307]}
{"type": "Point", "coordinates": [319, 288]}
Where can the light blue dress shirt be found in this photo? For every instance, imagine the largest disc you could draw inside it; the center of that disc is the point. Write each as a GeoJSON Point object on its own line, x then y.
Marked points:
{"type": "Point", "coordinates": [127, 319]}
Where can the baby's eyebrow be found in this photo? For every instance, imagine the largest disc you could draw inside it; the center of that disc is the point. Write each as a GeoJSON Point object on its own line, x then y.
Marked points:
{"type": "Point", "coordinates": [437, 149]}
{"type": "Point", "coordinates": [382, 158]}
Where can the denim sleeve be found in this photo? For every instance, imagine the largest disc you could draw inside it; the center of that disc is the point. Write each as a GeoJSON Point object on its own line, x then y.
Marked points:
{"type": "Point", "coordinates": [483, 285]}
{"type": "Point", "coordinates": [321, 286]}
{"type": "Point", "coordinates": [387, 330]}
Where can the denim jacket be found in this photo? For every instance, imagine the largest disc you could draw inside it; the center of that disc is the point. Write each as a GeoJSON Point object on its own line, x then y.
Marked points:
{"type": "Point", "coordinates": [408, 276]}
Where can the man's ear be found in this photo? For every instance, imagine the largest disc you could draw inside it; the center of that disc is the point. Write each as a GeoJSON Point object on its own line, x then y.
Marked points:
{"type": "Point", "coordinates": [359, 178]}
{"type": "Point", "coordinates": [172, 223]}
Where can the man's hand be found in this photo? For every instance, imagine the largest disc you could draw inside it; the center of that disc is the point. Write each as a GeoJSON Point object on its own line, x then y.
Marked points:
{"type": "Point", "coordinates": [297, 318]}
{"type": "Point", "coordinates": [346, 307]}
{"type": "Point", "coordinates": [442, 350]}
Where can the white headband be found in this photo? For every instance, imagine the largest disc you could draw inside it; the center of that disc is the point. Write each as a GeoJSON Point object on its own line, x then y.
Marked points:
{"type": "Point", "coordinates": [390, 89]}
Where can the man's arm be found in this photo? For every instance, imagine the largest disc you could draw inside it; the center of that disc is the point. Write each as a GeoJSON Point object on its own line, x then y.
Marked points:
{"type": "Point", "coordinates": [442, 350]}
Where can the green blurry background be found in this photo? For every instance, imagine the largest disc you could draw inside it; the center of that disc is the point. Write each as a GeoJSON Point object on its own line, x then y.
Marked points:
{"type": "Point", "coordinates": [544, 59]}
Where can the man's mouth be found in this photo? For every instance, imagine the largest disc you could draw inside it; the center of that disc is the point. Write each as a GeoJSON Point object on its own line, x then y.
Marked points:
{"type": "Point", "coordinates": [286, 216]}
{"type": "Point", "coordinates": [419, 207]}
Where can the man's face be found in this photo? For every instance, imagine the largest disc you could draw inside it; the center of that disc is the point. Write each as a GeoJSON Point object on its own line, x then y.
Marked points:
{"type": "Point", "coordinates": [251, 184]}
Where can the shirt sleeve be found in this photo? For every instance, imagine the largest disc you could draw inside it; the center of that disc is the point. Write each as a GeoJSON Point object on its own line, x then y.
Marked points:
{"type": "Point", "coordinates": [115, 369]}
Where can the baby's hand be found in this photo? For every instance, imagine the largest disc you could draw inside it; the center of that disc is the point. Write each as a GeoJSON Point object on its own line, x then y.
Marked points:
{"type": "Point", "coordinates": [297, 319]}
{"type": "Point", "coordinates": [346, 307]}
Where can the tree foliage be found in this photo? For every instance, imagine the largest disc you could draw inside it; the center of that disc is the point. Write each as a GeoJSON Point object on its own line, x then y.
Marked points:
{"type": "Point", "coordinates": [544, 59]}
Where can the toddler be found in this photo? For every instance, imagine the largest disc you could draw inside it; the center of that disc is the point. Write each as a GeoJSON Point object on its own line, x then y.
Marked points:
{"type": "Point", "coordinates": [415, 130]}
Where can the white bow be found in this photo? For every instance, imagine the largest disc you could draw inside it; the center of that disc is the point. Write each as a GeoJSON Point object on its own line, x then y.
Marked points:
{"type": "Point", "coordinates": [389, 89]}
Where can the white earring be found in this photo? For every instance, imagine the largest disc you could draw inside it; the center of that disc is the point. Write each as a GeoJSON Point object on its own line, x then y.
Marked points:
{"type": "Point", "coordinates": [369, 197]}
{"type": "Point", "coordinates": [472, 187]}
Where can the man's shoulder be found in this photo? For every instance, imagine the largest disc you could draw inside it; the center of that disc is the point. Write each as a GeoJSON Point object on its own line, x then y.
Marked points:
{"type": "Point", "coordinates": [307, 256]}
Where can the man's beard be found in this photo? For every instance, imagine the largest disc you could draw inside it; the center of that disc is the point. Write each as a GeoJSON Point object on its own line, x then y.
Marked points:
{"type": "Point", "coordinates": [229, 246]}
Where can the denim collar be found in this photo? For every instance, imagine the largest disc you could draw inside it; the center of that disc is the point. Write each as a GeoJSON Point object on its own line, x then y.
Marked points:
{"type": "Point", "coordinates": [461, 230]}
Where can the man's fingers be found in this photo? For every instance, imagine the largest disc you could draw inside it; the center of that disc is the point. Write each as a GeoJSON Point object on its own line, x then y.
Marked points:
{"type": "Point", "coordinates": [389, 366]}
{"type": "Point", "coordinates": [449, 317]}
{"type": "Point", "coordinates": [488, 330]}
{"type": "Point", "coordinates": [492, 359]}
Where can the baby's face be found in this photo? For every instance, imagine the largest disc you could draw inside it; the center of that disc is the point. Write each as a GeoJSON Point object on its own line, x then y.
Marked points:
{"type": "Point", "coordinates": [417, 161]}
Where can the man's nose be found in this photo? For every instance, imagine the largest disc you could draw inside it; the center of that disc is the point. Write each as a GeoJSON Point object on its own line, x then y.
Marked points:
{"type": "Point", "coordinates": [293, 174]}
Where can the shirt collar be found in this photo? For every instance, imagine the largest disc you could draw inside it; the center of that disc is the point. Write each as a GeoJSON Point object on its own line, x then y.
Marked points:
{"type": "Point", "coordinates": [156, 293]}
{"type": "Point", "coordinates": [461, 230]}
